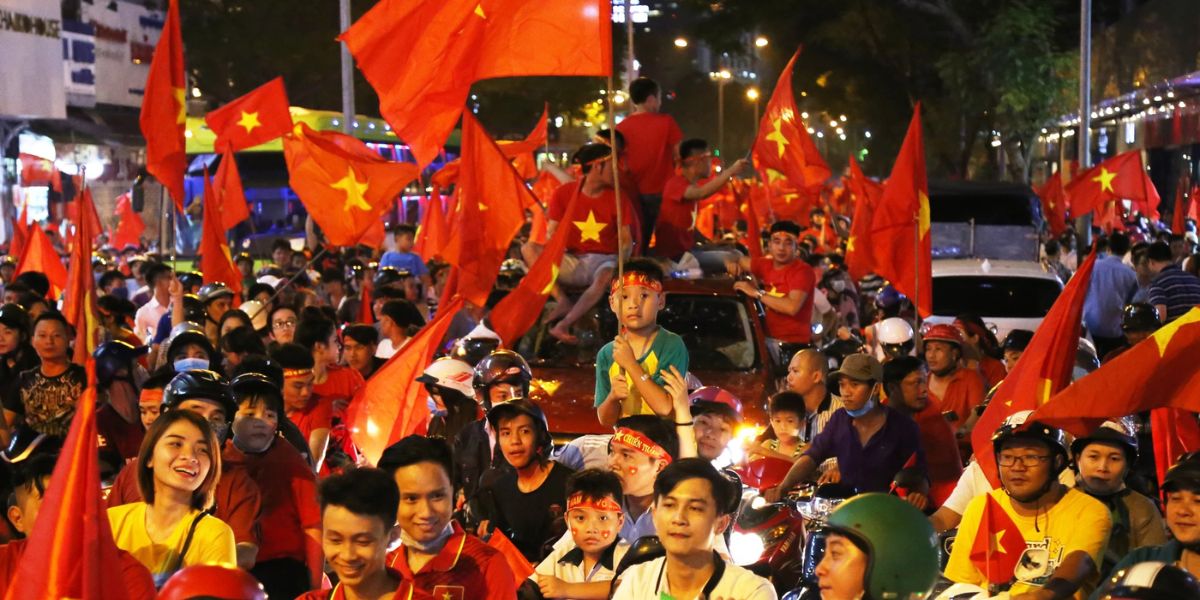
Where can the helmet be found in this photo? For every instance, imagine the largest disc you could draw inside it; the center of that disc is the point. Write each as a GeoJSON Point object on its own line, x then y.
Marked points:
{"type": "Point", "coordinates": [1018, 426]}
{"type": "Point", "coordinates": [943, 332]}
{"type": "Point", "coordinates": [389, 276]}
{"type": "Point", "coordinates": [193, 309]}
{"type": "Point", "coordinates": [898, 539]}
{"type": "Point", "coordinates": [271, 280]}
{"type": "Point", "coordinates": [522, 406]}
{"type": "Point", "coordinates": [99, 260]}
{"type": "Point", "coordinates": [1017, 339]}
{"type": "Point", "coordinates": [1184, 473]}
{"type": "Point", "coordinates": [211, 291]}
{"type": "Point", "coordinates": [450, 373]}
{"type": "Point", "coordinates": [112, 357]}
{"type": "Point", "coordinates": [13, 316]}
{"type": "Point", "coordinates": [1116, 433]}
{"type": "Point", "coordinates": [211, 581]}
{"type": "Point", "coordinates": [1151, 581]}
{"type": "Point", "coordinates": [894, 330]}
{"type": "Point", "coordinates": [889, 298]}
{"type": "Point", "coordinates": [1139, 316]}
{"type": "Point", "coordinates": [199, 384]}
{"type": "Point", "coordinates": [257, 313]}
{"type": "Point", "coordinates": [502, 366]}
{"type": "Point", "coordinates": [187, 333]}
{"type": "Point", "coordinates": [190, 279]}
{"type": "Point", "coordinates": [476, 345]}
{"type": "Point", "coordinates": [511, 272]}
{"type": "Point", "coordinates": [256, 384]}
{"type": "Point", "coordinates": [715, 395]}
{"type": "Point", "coordinates": [243, 256]}
{"type": "Point", "coordinates": [8, 260]}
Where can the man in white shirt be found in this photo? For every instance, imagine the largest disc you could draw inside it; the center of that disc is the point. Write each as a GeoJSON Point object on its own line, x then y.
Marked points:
{"type": "Point", "coordinates": [693, 505]}
{"type": "Point", "coordinates": [158, 278]}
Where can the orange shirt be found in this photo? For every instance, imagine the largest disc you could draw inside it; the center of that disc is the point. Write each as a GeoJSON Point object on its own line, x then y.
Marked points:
{"type": "Point", "coordinates": [962, 395]}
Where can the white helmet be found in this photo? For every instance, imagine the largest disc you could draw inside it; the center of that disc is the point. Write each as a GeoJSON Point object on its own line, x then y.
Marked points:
{"type": "Point", "coordinates": [894, 330]}
{"type": "Point", "coordinates": [451, 373]}
{"type": "Point", "coordinates": [254, 310]}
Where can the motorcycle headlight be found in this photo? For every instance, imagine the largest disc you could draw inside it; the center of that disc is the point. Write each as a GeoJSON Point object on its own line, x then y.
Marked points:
{"type": "Point", "coordinates": [745, 548]}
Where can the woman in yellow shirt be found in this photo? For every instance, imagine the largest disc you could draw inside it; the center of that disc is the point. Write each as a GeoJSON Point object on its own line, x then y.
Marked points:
{"type": "Point", "coordinates": [178, 467]}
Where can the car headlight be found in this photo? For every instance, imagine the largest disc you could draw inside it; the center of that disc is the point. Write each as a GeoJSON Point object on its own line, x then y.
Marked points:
{"type": "Point", "coordinates": [745, 548]}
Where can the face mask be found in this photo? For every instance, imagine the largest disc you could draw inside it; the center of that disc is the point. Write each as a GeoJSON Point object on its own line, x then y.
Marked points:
{"type": "Point", "coordinates": [190, 364]}
{"type": "Point", "coordinates": [432, 547]}
{"type": "Point", "coordinates": [866, 408]}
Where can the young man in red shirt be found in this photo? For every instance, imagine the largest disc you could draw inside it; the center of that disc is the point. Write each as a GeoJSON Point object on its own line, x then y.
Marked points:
{"type": "Point", "coordinates": [334, 384]}
{"type": "Point", "coordinates": [784, 284]}
{"type": "Point", "coordinates": [652, 144]}
{"type": "Point", "coordinates": [311, 414]}
{"type": "Point", "coordinates": [675, 232]}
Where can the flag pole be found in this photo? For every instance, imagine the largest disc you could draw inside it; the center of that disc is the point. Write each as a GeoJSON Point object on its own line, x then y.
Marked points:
{"type": "Point", "coordinates": [612, 144]}
{"type": "Point", "coordinates": [917, 270]}
{"type": "Point", "coordinates": [293, 278]}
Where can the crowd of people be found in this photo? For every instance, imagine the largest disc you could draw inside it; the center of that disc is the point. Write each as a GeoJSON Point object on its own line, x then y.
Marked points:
{"type": "Point", "coordinates": [229, 463]}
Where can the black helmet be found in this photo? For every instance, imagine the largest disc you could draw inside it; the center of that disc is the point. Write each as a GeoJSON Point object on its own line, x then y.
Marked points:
{"type": "Point", "coordinates": [1114, 433]}
{"type": "Point", "coordinates": [1184, 473]}
{"type": "Point", "coordinates": [474, 349]}
{"type": "Point", "coordinates": [1017, 339]}
{"type": "Point", "coordinates": [1018, 426]}
{"type": "Point", "coordinates": [503, 366]}
{"type": "Point", "coordinates": [1151, 580]}
{"type": "Point", "coordinates": [257, 384]}
{"type": "Point", "coordinates": [190, 279]}
{"type": "Point", "coordinates": [389, 276]}
{"type": "Point", "coordinates": [522, 406]}
{"type": "Point", "coordinates": [199, 384]}
{"type": "Point", "coordinates": [211, 291]}
{"type": "Point", "coordinates": [113, 357]}
{"type": "Point", "coordinates": [24, 441]}
{"type": "Point", "coordinates": [243, 256]}
{"type": "Point", "coordinates": [193, 309]}
{"type": "Point", "coordinates": [15, 317]}
{"type": "Point", "coordinates": [188, 333]}
{"type": "Point", "coordinates": [1139, 316]}
{"type": "Point", "coordinates": [511, 272]}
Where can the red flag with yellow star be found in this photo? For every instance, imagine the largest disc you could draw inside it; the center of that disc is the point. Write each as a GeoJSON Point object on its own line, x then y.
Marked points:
{"type": "Point", "coordinates": [1054, 203]}
{"type": "Point", "coordinates": [164, 109]}
{"type": "Point", "coordinates": [434, 233]}
{"type": "Point", "coordinates": [79, 303]}
{"type": "Point", "coordinates": [1123, 176]}
{"type": "Point", "coordinates": [492, 197]}
{"type": "Point", "coordinates": [998, 544]}
{"type": "Point", "coordinates": [231, 196]}
{"type": "Point", "coordinates": [215, 260]}
{"type": "Point", "coordinates": [1043, 369]}
{"type": "Point", "coordinates": [783, 143]}
{"type": "Point", "coordinates": [901, 249]}
{"type": "Point", "coordinates": [345, 185]}
{"type": "Point", "coordinates": [1158, 372]}
{"type": "Point", "coordinates": [866, 194]}
{"type": "Point", "coordinates": [422, 56]}
{"type": "Point", "coordinates": [256, 118]}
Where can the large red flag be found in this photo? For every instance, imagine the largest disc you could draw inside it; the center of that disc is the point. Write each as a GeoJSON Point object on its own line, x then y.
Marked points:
{"type": "Point", "coordinates": [1175, 433]}
{"type": "Point", "coordinates": [345, 185]}
{"type": "Point", "coordinates": [743, 195]}
{"type": "Point", "coordinates": [20, 235]}
{"type": "Point", "coordinates": [1043, 369]}
{"type": "Point", "coordinates": [492, 200]}
{"type": "Point", "coordinates": [520, 309]}
{"type": "Point", "coordinates": [230, 195]}
{"type": "Point", "coordinates": [1156, 373]}
{"type": "Point", "coordinates": [1120, 177]}
{"type": "Point", "coordinates": [520, 565]}
{"type": "Point", "coordinates": [391, 405]}
{"type": "Point", "coordinates": [783, 143]}
{"type": "Point", "coordinates": [79, 304]}
{"type": "Point", "coordinates": [256, 118]}
{"type": "Point", "coordinates": [129, 224]}
{"type": "Point", "coordinates": [434, 234]}
{"type": "Point", "coordinates": [1054, 203]}
{"type": "Point", "coordinates": [41, 256]}
{"type": "Point", "coordinates": [164, 109]}
{"type": "Point", "coordinates": [215, 260]}
{"type": "Point", "coordinates": [422, 56]}
{"type": "Point", "coordinates": [901, 249]}
{"type": "Point", "coordinates": [70, 552]}
{"type": "Point", "coordinates": [998, 544]}
{"type": "Point", "coordinates": [866, 195]}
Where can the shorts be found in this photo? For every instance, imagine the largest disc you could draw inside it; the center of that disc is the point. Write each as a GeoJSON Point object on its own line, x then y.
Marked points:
{"type": "Point", "coordinates": [579, 271]}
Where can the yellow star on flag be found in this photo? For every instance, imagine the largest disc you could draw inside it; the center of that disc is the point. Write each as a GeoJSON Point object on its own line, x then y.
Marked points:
{"type": "Point", "coordinates": [997, 546]}
{"type": "Point", "coordinates": [355, 191]}
{"type": "Point", "coordinates": [1044, 387]}
{"type": "Point", "coordinates": [1105, 178]}
{"type": "Point", "coordinates": [181, 98]}
{"type": "Point", "coordinates": [590, 229]}
{"type": "Point", "coordinates": [923, 214]}
{"type": "Point", "coordinates": [777, 136]}
{"type": "Point", "coordinates": [482, 207]}
{"type": "Point", "coordinates": [787, 198]}
{"type": "Point", "coordinates": [850, 243]}
{"type": "Point", "coordinates": [553, 279]}
{"type": "Point", "coordinates": [249, 121]}
{"type": "Point", "coordinates": [479, 11]}
{"type": "Point", "coordinates": [1163, 336]}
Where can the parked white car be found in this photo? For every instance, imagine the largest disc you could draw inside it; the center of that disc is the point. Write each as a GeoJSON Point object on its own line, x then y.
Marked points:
{"type": "Point", "coordinates": [1006, 294]}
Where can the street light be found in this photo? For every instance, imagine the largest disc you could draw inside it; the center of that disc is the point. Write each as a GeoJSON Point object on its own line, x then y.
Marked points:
{"type": "Point", "coordinates": [752, 95]}
{"type": "Point", "coordinates": [681, 42]}
{"type": "Point", "coordinates": [760, 42]}
{"type": "Point", "coordinates": [722, 77]}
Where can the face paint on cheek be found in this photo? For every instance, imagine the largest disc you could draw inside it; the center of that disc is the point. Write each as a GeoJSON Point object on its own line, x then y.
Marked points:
{"type": "Point", "coordinates": [633, 470]}
{"type": "Point", "coordinates": [574, 531]}
{"type": "Point", "coordinates": [605, 534]}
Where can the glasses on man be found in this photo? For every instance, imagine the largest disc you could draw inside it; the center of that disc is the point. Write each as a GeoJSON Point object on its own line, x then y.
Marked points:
{"type": "Point", "coordinates": [288, 324]}
{"type": "Point", "coordinates": [1028, 460]}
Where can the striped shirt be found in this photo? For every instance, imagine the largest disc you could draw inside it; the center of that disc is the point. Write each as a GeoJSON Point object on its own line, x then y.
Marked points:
{"type": "Point", "coordinates": [815, 422]}
{"type": "Point", "coordinates": [1176, 289]}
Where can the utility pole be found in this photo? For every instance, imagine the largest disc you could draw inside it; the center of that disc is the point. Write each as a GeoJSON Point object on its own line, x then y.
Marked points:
{"type": "Point", "coordinates": [1083, 225]}
{"type": "Point", "coordinates": [347, 72]}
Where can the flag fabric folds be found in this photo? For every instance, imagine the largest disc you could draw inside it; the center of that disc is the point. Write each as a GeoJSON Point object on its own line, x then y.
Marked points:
{"type": "Point", "coordinates": [1101, 187]}
{"type": "Point", "coordinates": [231, 196]}
{"type": "Point", "coordinates": [20, 235]}
{"type": "Point", "coordinates": [1175, 433]}
{"type": "Point", "coordinates": [1054, 203]}
{"type": "Point", "coordinates": [41, 256]}
{"type": "Point", "coordinates": [520, 566]}
{"type": "Point", "coordinates": [129, 224]}
{"type": "Point", "coordinates": [998, 544]}
{"type": "Point", "coordinates": [253, 119]}
{"type": "Point", "coordinates": [164, 109]}
{"type": "Point", "coordinates": [866, 194]}
{"type": "Point", "coordinates": [434, 234]}
{"type": "Point", "coordinates": [783, 143]}
{"type": "Point", "coordinates": [215, 260]}
{"type": "Point", "coordinates": [79, 303]}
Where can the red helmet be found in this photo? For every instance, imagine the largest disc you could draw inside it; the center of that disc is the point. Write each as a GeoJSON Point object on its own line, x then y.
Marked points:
{"type": "Point", "coordinates": [210, 581]}
{"type": "Point", "coordinates": [712, 393]}
{"type": "Point", "coordinates": [943, 332]}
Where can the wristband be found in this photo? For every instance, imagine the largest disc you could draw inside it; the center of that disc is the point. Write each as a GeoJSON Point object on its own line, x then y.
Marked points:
{"type": "Point", "coordinates": [760, 294]}
{"type": "Point", "coordinates": [688, 424]}
{"type": "Point", "coordinates": [644, 377]}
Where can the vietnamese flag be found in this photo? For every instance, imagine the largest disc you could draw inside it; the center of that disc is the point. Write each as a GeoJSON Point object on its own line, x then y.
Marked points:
{"type": "Point", "coordinates": [1054, 203]}
{"type": "Point", "coordinates": [70, 553]}
{"type": "Point", "coordinates": [1043, 369]}
{"type": "Point", "coordinates": [256, 118]}
{"type": "Point", "coordinates": [866, 194]}
{"type": "Point", "coordinates": [1120, 177]}
{"type": "Point", "coordinates": [1175, 433]}
{"type": "Point", "coordinates": [215, 260]}
{"type": "Point", "coordinates": [520, 309]}
{"type": "Point", "coordinates": [492, 201]}
{"type": "Point", "coordinates": [783, 143]}
{"type": "Point", "coordinates": [1156, 373]}
{"type": "Point", "coordinates": [901, 249]}
{"type": "Point", "coordinates": [998, 544]}
{"type": "Point", "coordinates": [520, 566]}
{"type": "Point", "coordinates": [391, 405]}
{"type": "Point", "coordinates": [345, 185]}
{"type": "Point", "coordinates": [434, 234]}
{"type": "Point", "coordinates": [1178, 223]}
{"type": "Point", "coordinates": [230, 195]}
{"type": "Point", "coordinates": [20, 235]}
{"type": "Point", "coordinates": [422, 56]}
{"type": "Point", "coordinates": [743, 195]}
{"type": "Point", "coordinates": [79, 303]}
{"type": "Point", "coordinates": [129, 224]}
{"type": "Point", "coordinates": [41, 256]}
{"type": "Point", "coordinates": [521, 153]}
{"type": "Point", "coordinates": [164, 109]}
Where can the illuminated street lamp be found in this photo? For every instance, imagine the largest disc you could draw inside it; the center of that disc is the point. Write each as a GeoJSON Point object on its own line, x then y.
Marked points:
{"type": "Point", "coordinates": [760, 42]}
{"type": "Point", "coordinates": [681, 42]}
{"type": "Point", "coordinates": [722, 77]}
{"type": "Point", "coordinates": [752, 95]}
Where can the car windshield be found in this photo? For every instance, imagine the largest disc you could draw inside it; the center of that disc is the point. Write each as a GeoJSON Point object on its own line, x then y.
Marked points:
{"type": "Point", "coordinates": [716, 329]}
{"type": "Point", "coordinates": [1005, 297]}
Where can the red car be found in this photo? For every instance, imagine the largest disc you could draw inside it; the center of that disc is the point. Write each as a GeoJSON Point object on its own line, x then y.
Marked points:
{"type": "Point", "coordinates": [725, 338]}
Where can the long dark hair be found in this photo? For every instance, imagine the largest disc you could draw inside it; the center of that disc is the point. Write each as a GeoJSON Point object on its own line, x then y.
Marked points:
{"type": "Point", "coordinates": [202, 497]}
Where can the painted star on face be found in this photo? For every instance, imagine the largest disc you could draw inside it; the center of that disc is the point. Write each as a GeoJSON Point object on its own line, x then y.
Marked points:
{"type": "Point", "coordinates": [355, 191]}
{"type": "Point", "coordinates": [249, 121]}
{"type": "Point", "coordinates": [1105, 178]}
{"type": "Point", "coordinates": [590, 229]}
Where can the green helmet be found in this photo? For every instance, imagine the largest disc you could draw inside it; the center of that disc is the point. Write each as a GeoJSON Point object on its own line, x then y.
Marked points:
{"type": "Point", "coordinates": [900, 544]}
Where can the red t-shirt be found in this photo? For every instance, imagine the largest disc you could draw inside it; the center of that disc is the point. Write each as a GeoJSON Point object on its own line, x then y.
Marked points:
{"type": "Point", "coordinates": [466, 568]}
{"type": "Point", "coordinates": [592, 220]}
{"type": "Point", "coordinates": [317, 414]}
{"type": "Point", "coordinates": [289, 498]}
{"type": "Point", "coordinates": [650, 140]}
{"type": "Point", "coordinates": [963, 394]}
{"type": "Point", "coordinates": [135, 579]}
{"type": "Point", "coordinates": [673, 233]}
{"type": "Point", "coordinates": [338, 592]}
{"type": "Point", "coordinates": [117, 433]}
{"type": "Point", "coordinates": [941, 452]}
{"type": "Point", "coordinates": [340, 384]}
{"type": "Point", "coordinates": [779, 282]}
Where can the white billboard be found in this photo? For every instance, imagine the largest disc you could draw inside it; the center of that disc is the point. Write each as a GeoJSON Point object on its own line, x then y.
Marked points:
{"type": "Point", "coordinates": [32, 64]}
{"type": "Point", "coordinates": [125, 37]}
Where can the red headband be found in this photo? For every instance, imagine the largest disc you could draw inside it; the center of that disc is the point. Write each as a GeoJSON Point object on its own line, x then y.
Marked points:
{"type": "Point", "coordinates": [635, 440]}
{"type": "Point", "coordinates": [577, 500]}
{"type": "Point", "coordinates": [154, 395]}
{"type": "Point", "coordinates": [634, 278]}
{"type": "Point", "coordinates": [296, 372]}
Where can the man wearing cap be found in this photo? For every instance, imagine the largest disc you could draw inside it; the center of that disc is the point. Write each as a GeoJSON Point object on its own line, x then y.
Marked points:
{"type": "Point", "coordinates": [784, 285]}
{"type": "Point", "coordinates": [871, 441]}
{"type": "Point", "coordinates": [958, 390]}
